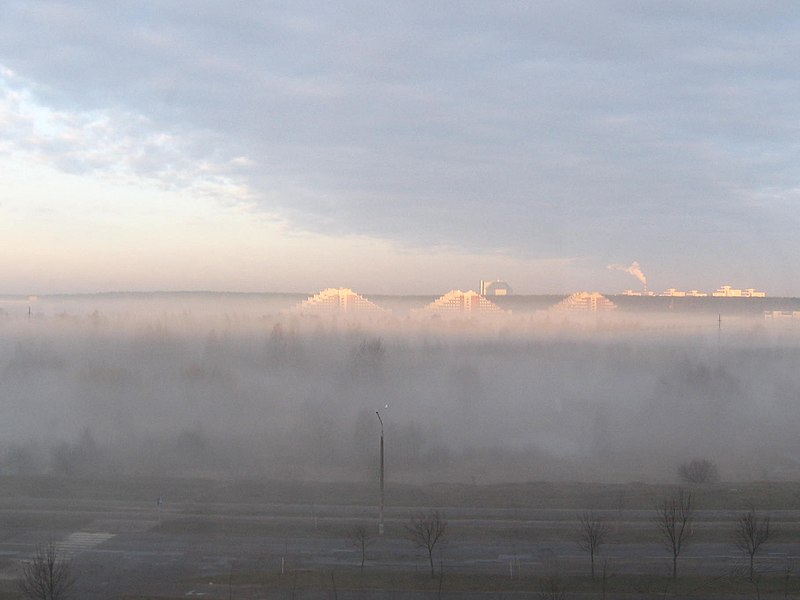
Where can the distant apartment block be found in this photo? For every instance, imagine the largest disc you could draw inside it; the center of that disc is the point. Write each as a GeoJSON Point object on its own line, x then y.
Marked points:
{"type": "Point", "coordinates": [458, 303]}
{"type": "Point", "coordinates": [782, 315]}
{"type": "Point", "coordinates": [673, 293]}
{"type": "Point", "coordinates": [495, 288]}
{"type": "Point", "coordinates": [586, 302]}
{"type": "Point", "coordinates": [338, 300]}
{"type": "Point", "coordinates": [727, 291]}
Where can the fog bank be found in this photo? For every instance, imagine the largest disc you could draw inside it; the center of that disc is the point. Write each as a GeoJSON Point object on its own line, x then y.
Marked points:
{"type": "Point", "coordinates": [194, 385]}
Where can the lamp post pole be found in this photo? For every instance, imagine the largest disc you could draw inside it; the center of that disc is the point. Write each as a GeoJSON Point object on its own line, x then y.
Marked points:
{"type": "Point", "coordinates": [380, 519]}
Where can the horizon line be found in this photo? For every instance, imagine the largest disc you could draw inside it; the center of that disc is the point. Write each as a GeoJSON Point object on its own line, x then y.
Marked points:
{"type": "Point", "coordinates": [27, 296]}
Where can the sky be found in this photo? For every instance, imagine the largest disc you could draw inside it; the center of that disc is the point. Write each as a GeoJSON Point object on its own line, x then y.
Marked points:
{"type": "Point", "coordinates": [400, 148]}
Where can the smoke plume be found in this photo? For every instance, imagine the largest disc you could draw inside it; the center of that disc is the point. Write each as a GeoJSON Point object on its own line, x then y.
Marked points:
{"type": "Point", "coordinates": [634, 269]}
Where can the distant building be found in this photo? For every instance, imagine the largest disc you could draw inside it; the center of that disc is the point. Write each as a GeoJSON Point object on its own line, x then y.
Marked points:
{"type": "Point", "coordinates": [672, 292]}
{"type": "Point", "coordinates": [727, 291]}
{"type": "Point", "coordinates": [456, 302]}
{"type": "Point", "coordinates": [495, 288]}
{"type": "Point", "coordinates": [586, 302]}
{"type": "Point", "coordinates": [782, 315]}
{"type": "Point", "coordinates": [338, 300]}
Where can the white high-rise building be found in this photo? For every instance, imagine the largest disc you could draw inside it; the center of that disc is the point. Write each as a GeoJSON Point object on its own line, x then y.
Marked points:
{"type": "Point", "coordinates": [338, 300]}
{"type": "Point", "coordinates": [586, 302]}
{"type": "Point", "coordinates": [456, 302]}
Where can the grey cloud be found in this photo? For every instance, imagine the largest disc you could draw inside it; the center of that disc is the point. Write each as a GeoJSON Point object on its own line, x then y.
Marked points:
{"type": "Point", "coordinates": [527, 124]}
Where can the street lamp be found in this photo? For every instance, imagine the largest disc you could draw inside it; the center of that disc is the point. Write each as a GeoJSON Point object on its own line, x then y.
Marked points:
{"type": "Point", "coordinates": [380, 520]}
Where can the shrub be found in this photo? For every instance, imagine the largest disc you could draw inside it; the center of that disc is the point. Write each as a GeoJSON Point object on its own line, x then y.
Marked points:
{"type": "Point", "coordinates": [698, 470]}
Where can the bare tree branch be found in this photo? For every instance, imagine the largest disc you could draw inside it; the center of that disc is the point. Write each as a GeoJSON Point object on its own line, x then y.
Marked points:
{"type": "Point", "coordinates": [593, 532]}
{"type": "Point", "coordinates": [425, 530]}
{"type": "Point", "coordinates": [674, 518]}
{"type": "Point", "coordinates": [361, 538]}
{"type": "Point", "coordinates": [48, 575]}
{"type": "Point", "coordinates": [751, 532]}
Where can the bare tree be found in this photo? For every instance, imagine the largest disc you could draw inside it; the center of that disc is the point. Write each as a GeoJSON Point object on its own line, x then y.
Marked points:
{"type": "Point", "coordinates": [751, 532]}
{"type": "Point", "coordinates": [47, 575]}
{"type": "Point", "coordinates": [425, 530]}
{"type": "Point", "coordinates": [607, 574]}
{"type": "Point", "coordinates": [698, 470]}
{"type": "Point", "coordinates": [787, 577]}
{"type": "Point", "coordinates": [369, 357]}
{"type": "Point", "coordinates": [674, 519]}
{"type": "Point", "coordinates": [361, 538]}
{"type": "Point", "coordinates": [593, 532]}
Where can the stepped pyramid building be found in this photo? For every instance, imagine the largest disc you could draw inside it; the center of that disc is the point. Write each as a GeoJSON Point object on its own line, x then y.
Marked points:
{"type": "Point", "coordinates": [586, 302]}
{"type": "Point", "coordinates": [458, 303]}
{"type": "Point", "coordinates": [332, 301]}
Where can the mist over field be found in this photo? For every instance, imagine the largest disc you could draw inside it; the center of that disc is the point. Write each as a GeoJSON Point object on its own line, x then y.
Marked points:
{"type": "Point", "coordinates": [242, 387]}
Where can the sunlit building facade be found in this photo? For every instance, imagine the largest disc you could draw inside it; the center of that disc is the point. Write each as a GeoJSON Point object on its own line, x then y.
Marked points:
{"type": "Point", "coordinates": [456, 302]}
{"type": "Point", "coordinates": [338, 300]}
{"type": "Point", "coordinates": [673, 293]}
{"type": "Point", "coordinates": [727, 291]}
{"type": "Point", "coordinates": [586, 302]}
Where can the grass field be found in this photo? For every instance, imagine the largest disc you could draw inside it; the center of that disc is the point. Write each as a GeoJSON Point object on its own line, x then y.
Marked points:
{"type": "Point", "coordinates": [536, 521]}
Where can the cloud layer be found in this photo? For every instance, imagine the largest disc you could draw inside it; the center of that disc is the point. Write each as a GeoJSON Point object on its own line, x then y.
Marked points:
{"type": "Point", "coordinates": [610, 130]}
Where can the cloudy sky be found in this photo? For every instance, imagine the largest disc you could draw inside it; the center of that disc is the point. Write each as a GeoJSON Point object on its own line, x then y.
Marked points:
{"type": "Point", "coordinates": [403, 147]}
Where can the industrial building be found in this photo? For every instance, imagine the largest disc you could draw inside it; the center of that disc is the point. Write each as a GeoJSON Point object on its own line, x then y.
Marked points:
{"type": "Point", "coordinates": [495, 288]}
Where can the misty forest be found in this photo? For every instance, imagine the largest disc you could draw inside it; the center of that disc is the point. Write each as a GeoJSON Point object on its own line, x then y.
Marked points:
{"type": "Point", "coordinates": [253, 394]}
{"type": "Point", "coordinates": [235, 439]}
